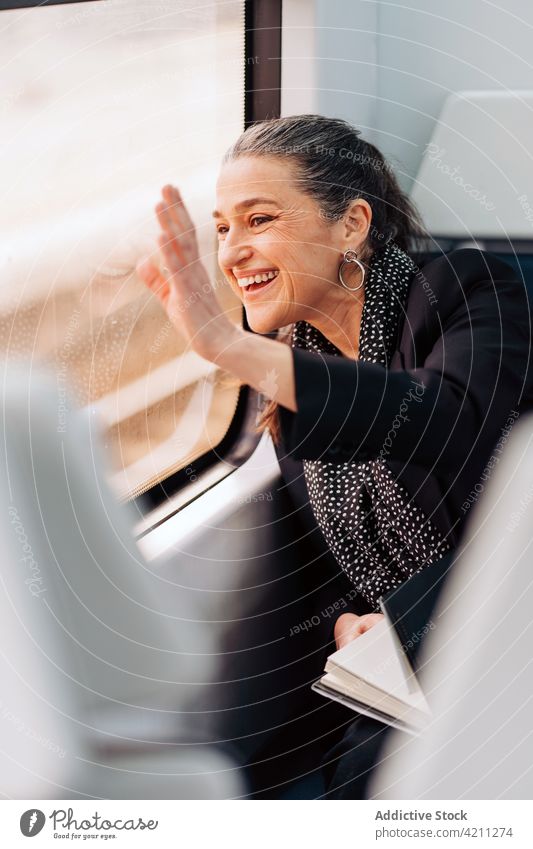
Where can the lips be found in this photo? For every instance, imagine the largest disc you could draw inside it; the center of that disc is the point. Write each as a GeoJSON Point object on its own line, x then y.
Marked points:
{"type": "Point", "coordinates": [258, 280]}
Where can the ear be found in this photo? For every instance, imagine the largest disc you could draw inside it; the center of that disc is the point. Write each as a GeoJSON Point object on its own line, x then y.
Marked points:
{"type": "Point", "coordinates": [356, 221]}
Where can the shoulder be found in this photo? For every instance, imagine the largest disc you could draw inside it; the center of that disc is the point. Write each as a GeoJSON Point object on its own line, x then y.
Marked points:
{"type": "Point", "coordinates": [467, 265]}
{"type": "Point", "coordinates": [447, 283]}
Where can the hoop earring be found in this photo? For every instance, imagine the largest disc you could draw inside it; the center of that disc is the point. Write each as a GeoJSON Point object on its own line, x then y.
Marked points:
{"type": "Point", "coordinates": [351, 257]}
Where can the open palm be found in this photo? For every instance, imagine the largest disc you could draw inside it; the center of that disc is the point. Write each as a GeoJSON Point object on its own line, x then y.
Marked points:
{"type": "Point", "coordinates": [182, 284]}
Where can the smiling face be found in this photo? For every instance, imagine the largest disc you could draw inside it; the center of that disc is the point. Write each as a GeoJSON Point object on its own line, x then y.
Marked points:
{"type": "Point", "coordinates": [276, 250]}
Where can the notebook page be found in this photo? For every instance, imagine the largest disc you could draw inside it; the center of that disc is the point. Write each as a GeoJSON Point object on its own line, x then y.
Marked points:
{"type": "Point", "coordinates": [374, 658]}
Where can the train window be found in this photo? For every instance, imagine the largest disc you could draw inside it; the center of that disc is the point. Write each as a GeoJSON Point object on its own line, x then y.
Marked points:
{"type": "Point", "coordinates": [101, 104]}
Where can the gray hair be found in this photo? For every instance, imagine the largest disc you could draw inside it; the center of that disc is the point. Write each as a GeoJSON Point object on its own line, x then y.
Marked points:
{"type": "Point", "coordinates": [335, 166]}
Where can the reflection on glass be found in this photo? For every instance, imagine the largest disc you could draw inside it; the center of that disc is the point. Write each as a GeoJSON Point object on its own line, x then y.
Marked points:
{"type": "Point", "coordinates": [100, 105]}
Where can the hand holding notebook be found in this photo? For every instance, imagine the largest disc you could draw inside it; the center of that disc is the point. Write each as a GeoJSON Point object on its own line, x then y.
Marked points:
{"type": "Point", "coordinates": [375, 673]}
{"type": "Point", "coordinates": [349, 626]}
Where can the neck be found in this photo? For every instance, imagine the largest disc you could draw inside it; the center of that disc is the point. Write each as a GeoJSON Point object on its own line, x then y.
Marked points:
{"type": "Point", "coordinates": [339, 320]}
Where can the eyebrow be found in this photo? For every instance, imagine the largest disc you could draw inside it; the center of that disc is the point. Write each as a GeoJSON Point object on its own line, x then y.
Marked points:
{"type": "Point", "coordinates": [246, 204]}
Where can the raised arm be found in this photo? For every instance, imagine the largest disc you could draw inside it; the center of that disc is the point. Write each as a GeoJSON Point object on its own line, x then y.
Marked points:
{"type": "Point", "coordinates": [438, 414]}
{"type": "Point", "coordinates": [452, 403]}
{"type": "Point", "coordinates": [182, 285]}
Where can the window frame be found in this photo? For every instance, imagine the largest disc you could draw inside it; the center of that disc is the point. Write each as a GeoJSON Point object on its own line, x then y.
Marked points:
{"type": "Point", "coordinates": [28, 4]}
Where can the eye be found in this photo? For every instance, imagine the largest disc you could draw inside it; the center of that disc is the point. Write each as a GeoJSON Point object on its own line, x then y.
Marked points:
{"type": "Point", "coordinates": [257, 220]}
{"type": "Point", "coordinates": [222, 230]}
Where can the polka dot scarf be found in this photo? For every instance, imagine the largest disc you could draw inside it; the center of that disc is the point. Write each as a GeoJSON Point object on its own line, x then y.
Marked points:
{"type": "Point", "coordinates": [377, 534]}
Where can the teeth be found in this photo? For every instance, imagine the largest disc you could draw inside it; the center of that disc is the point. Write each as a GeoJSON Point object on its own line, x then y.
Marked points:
{"type": "Point", "coordinates": [257, 278]}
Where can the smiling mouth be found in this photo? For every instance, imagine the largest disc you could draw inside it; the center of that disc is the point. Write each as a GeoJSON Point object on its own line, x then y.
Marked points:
{"type": "Point", "coordinates": [253, 287]}
{"type": "Point", "coordinates": [257, 281]}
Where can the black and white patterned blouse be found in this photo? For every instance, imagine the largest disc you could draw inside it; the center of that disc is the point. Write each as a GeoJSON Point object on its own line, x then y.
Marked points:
{"type": "Point", "coordinates": [376, 532]}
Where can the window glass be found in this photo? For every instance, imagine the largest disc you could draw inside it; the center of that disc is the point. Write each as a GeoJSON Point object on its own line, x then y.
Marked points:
{"type": "Point", "coordinates": [101, 104]}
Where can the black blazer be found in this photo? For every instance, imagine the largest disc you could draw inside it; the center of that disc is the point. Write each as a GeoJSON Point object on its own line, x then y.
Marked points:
{"type": "Point", "coordinates": [441, 413]}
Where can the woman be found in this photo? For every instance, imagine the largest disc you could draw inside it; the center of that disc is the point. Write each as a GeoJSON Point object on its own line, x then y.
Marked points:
{"type": "Point", "coordinates": [397, 381]}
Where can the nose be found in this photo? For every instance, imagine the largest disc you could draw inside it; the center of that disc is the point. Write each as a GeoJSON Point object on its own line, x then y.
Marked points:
{"type": "Point", "coordinates": [232, 252]}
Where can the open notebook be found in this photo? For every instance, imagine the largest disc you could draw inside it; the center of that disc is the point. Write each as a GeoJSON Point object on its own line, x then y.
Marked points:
{"type": "Point", "coordinates": [375, 674]}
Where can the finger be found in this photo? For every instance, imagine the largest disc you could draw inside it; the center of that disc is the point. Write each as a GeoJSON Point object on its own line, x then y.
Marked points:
{"type": "Point", "coordinates": [172, 214]}
{"type": "Point", "coordinates": [178, 210]}
{"type": "Point", "coordinates": [182, 224]}
{"type": "Point", "coordinates": [171, 252]}
{"type": "Point", "coordinates": [348, 636]}
{"type": "Point", "coordinates": [163, 217]}
{"type": "Point", "coordinates": [368, 621]}
{"type": "Point", "coordinates": [174, 209]}
{"type": "Point", "coordinates": [152, 278]}
{"type": "Point", "coordinates": [346, 629]}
